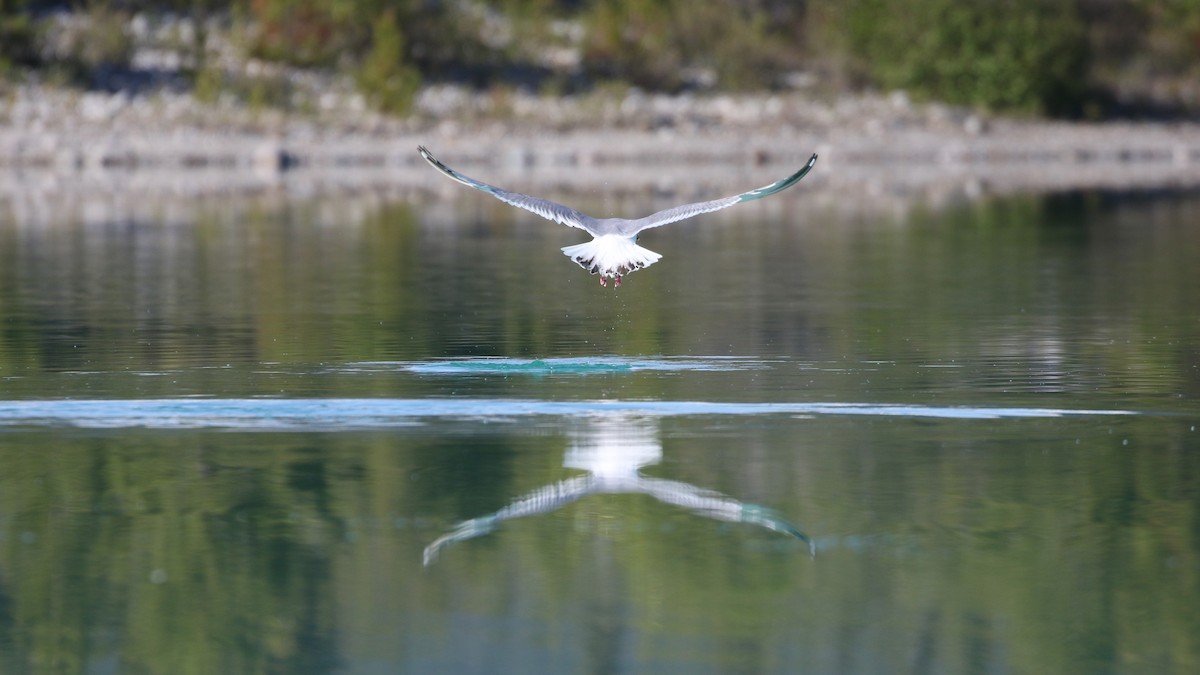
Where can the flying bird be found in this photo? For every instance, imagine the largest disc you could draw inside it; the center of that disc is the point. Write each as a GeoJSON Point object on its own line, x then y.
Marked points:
{"type": "Point", "coordinates": [613, 251]}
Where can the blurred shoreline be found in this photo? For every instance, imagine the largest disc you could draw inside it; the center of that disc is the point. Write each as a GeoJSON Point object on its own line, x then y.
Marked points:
{"type": "Point", "coordinates": [60, 144]}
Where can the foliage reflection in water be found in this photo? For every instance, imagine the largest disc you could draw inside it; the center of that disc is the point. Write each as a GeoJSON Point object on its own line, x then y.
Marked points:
{"type": "Point", "coordinates": [230, 432]}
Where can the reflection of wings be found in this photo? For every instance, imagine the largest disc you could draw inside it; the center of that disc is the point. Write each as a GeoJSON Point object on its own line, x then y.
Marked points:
{"type": "Point", "coordinates": [719, 507]}
{"type": "Point", "coordinates": [542, 500]}
{"type": "Point", "coordinates": [697, 500]}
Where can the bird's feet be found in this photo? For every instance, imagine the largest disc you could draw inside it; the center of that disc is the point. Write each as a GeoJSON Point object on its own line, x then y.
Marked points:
{"type": "Point", "coordinates": [603, 280]}
{"type": "Point", "coordinates": [617, 281]}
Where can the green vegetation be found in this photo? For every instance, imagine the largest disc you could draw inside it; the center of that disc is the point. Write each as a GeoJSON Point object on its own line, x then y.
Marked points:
{"type": "Point", "coordinates": [657, 44]}
{"type": "Point", "coordinates": [1064, 57]}
{"type": "Point", "coordinates": [1022, 55]}
{"type": "Point", "coordinates": [17, 37]}
{"type": "Point", "coordinates": [390, 83]}
{"type": "Point", "coordinates": [101, 44]}
{"type": "Point", "coordinates": [306, 33]}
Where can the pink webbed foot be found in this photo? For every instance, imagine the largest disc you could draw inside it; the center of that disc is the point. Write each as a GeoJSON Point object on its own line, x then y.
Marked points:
{"type": "Point", "coordinates": [603, 280]}
{"type": "Point", "coordinates": [617, 282]}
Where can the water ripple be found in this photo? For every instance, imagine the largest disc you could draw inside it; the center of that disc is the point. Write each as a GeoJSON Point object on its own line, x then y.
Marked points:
{"type": "Point", "coordinates": [561, 366]}
{"type": "Point", "coordinates": [357, 413]}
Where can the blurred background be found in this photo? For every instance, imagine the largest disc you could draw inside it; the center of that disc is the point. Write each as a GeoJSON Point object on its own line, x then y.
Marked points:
{"type": "Point", "coordinates": [1091, 59]}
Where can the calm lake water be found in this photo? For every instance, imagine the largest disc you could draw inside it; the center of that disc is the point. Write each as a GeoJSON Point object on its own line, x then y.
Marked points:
{"type": "Point", "coordinates": [320, 436]}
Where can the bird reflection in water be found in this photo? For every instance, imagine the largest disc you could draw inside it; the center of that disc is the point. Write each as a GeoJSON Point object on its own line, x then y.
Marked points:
{"type": "Point", "coordinates": [612, 450]}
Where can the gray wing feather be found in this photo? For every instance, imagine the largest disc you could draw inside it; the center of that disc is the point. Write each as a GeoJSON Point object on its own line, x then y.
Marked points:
{"type": "Point", "coordinates": [542, 500]}
{"type": "Point", "coordinates": [720, 507]}
{"type": "Point", "coordinates": [677, 213]}
{"type": "Point", "coordinates": [543, 207]}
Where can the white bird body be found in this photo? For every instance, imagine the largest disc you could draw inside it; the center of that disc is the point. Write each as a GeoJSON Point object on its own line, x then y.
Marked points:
{"type": "Point", "coordinates": [611, 255]}
{"type": "Point", "coordinates": [613, 252]}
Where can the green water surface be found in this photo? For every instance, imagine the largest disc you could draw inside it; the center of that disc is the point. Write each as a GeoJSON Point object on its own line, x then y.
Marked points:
{"type": "Point", "coordinates": [321, 436]}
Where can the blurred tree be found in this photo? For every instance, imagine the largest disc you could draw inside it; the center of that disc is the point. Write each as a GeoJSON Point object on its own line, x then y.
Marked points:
{"type": "Point", "coordinates": [1174, 34]}
{"type": "Point", "coordinates": [17, 36]}
{"type": "Point", "coordinates": [1019, 55]}
{"type": "Point", "coordinates": [306, 33]}
{"type": "Point", "coordinates": [747, 44]}
{"type": "Point", "coordinates": [1032, 56]}
{"type": "Point", "coordinates": [384, 78]}
{"type": "Point", "coordinates": [630, 40]}
{"type": "Point", "coordinates": [655, 43]}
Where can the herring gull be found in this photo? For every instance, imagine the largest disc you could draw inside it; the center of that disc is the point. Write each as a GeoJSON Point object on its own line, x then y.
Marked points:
{"type": "Point", "coordinates": [613, 251]}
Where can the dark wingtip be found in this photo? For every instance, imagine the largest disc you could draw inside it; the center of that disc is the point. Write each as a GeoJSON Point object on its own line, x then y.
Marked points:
{"type": "Point", "coordinates": [812, 161]}
{"type": "Point", "coordinates": [437, 164]}
{"type": "Point", "coordinates": [795, 178]}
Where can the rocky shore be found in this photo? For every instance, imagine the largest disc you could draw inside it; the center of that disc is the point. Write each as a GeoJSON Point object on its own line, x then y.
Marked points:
{"type": "Point", "coordinates": [56, 141]}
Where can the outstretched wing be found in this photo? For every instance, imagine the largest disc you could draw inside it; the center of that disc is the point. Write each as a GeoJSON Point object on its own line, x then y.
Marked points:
{"type": "Point", "coordinates": [543, 207]}
{"type": "Point", "coordinates": [542, 500]}
{"type": "Point", "coordinates": [688, 210]}
{"type": "Point", "coordinates": [719, 507]}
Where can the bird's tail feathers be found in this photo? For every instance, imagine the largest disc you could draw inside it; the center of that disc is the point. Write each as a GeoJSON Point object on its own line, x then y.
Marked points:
{"type": "Point", "coordinates": [611, 256]}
